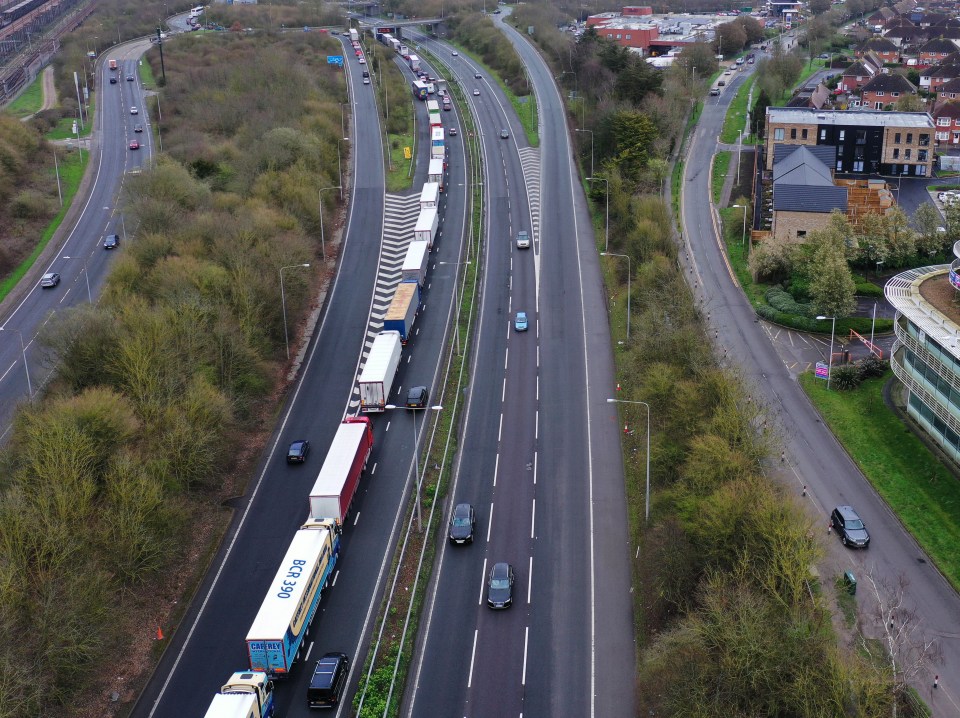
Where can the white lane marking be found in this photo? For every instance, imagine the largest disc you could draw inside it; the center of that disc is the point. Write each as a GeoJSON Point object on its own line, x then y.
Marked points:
{"type": "Point", "coordinates": [506, 354]}
{"type": "Point", "coordinates": [529, 580]}
{"type": "Point", "coordinates": [8, 371]}
{"type": "Point", "coordinates": [500, 430]}
{"type": "Point", "coordinates": [64, 297]}
{"type": "Point", "coordinates": [490, 522]}
{"type": "Point", "coordinates": [388, 426]}
{"type": "Point", "coordinates": [526, 641]}
{"type": "Point", "coordinates": [374, 469]}
{"type": "Point", "coordinates": [536, 425]}
{"type": "Point", "coordinates": [473, 655]}
{"type": "Point", "coordinates": [503, 394]}
{"type": "Point", "coordinates": [536, 456]}
{"type": "Point", "coordinates": [483, 577]}
{"type": "Point", "coordinates": [309, 650]}
{"type": "Point", "coordinates": [537, 387]}
{"type": "Point", "coordinates": [356, 518]}
{"type": "Point", "coordinates": [336, 575]}
{"type": "Point", "coordinates": [496, 469]}
{"type": "Point", "coordinates": [533, 519]}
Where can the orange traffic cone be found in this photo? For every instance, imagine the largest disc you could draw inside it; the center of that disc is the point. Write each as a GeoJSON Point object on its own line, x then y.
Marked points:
{"type": "Point", "coordinates": [618, 387]}
{"type": "Point", "coordinates": [159, 633]}
{"type": "Point", "coordinates": [626, 429]}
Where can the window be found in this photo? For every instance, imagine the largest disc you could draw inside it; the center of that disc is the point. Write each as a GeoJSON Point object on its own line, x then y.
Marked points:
{"type": "Point", "coordinates": [628, 37]}
{"type": "Point", "coordinates": [842, 133]}
{"type": "Point", "coordinates": [896, 138]}
{"type": "Point", "coordinates": [801, 233]}
{"type": "Point", "coordinates": [823, 135]}
{"type": "Point", "coordinates": [895, 94]}
{"type": "Point", "coordinates": [956, 137]}
{"type": "Point", "coordinates": [793, 133]}
{"type": "Point", "coordinates": [778, 133]}
{"type": "Point", "coordinates": [896, 154]}
{"type": "Point", "coordinates": [921, 155]}
{"type": "Point", "coordinates": [879, 94]}
{"type": "Point", "coordinates": [943, 122]}
{"type": "Point", "coordinates": [879, 105]}
{"type": "Point", "coordinates": [861, 137]}
{"type": "Point", "coordinates": [924, 139]}
{"type": "Point", "coordinates": [619, 36]}
{"type": "Point", "coordinates": [909, 138]}
{"type": "Point", "coordinates": [803, 133]}
{"type": "Point", "coordinates": [953, 95]}
{"type": "Point", "coordinates": [906, 154]}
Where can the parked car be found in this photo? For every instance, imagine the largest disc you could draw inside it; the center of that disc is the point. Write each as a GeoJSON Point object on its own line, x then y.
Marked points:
{"type": "Point", "coordinates": [50, 279]}
{"type": "Point", "coordinates": [849, 527]}
{"type": "Point", "coordinates": [298, 451]}
{"type": "Point", "coordinates": [463, 524]}
{"type": "Point", "coordinates": [111, 241]}
{"type": "Point", "coordinates": [500, 586]}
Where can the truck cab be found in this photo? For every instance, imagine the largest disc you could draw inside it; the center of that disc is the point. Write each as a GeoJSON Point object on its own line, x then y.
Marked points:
{"type": "Point", "coordinates": [247, 694]}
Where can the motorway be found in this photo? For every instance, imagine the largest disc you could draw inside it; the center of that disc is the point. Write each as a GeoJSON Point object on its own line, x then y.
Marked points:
{"type": "Point", "coordinates": [210, 643]}
{"type": "Point", "coordinates": [81, 260]}
{"type": "Point", "coordinates": [814, 458]}
{"type": "Point", "coordinates": [541, 460]}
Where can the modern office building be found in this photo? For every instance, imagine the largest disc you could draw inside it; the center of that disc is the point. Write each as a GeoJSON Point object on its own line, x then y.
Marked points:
{"type": "Point", "coordinates": [926, 354]}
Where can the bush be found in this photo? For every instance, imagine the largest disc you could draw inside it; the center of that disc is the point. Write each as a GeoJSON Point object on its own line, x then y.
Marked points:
{"type": "Point", "coordinates": [872, 367]}
{"type": "Point", "coordinates": [845, 377]}
{"type": "Point", "coordinates": [784, 302]}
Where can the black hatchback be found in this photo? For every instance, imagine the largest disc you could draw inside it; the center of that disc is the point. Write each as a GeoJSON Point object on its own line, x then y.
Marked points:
{"type": "Point", "coordinates": [500, 586]}
{"type": "Point", "coordinates": [417, 397]}
{"type": "Point", "coordinates": [297, 453]}
{"type": "Point", "coordinates": [111, 241]}
{"type": "Point", "coordinates": [328, 681]}
{"type": "Point", "coordinates": [849, 527]}
{"type": "Point", "coordinates": [462, 524]}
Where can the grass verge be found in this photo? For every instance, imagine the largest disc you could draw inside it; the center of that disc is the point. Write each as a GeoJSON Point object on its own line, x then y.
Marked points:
{"type": "Point", "coordinates": [920, 490]}
{"type": "Point", "coordinates": [146, 76]}
{"type": "Point", "coordinates": [399, 177]}
{"type": "Point", "coordinates": [721, 167]}
{"type": "Point", "coordinates": [736, 118]}
{"type": "Point", "coordinates": [30, 101]}
{"type": "Point", "coordinates": [71, 173]}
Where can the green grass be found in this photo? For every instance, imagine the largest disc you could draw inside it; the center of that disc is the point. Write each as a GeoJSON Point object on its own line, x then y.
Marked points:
{"type": "Point", "coordinates": [721, 167]}
{"type": "Point", "coordinates": [919, 489]}
{"type": "Point", "coordinates": [71, 173]}
{"type": "Point", "coordinates": [399, 177]}
{"type": "Point", "coordinates": [736, 118]}
{"type": "Point", "coordinates": [64, 128]}
{"type": "Point", "coordinates": [30, 101]}
{"type": "Point", "coordinates": [146, 75]}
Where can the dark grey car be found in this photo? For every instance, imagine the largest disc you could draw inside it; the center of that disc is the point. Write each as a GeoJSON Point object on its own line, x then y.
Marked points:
{"type": "Point", "coordinates": [463, 523]}
{"type": "Point", "coordinates": [849, 527]}
{"type": "Point", "coordinates": [500, 586]}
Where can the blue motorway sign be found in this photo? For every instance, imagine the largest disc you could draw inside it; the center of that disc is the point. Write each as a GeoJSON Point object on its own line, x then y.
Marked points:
{"type": "Point", "coordinates": [335, 60]}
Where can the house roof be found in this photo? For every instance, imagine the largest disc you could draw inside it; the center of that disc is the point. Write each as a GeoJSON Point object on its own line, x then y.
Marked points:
{"type": "Point", "coordinates": [950, 86]}
{"type": "Point", "coordinates": [889, 83]}
{"type": "Point", "coordinates": [878, 44]}
{"type": "Point", "coordinates": [858, 69]}
{"type": "Point", "coordinates": [908, 34]}
{"type": "Point", "coordinates": [947, 109]}
{"type": "Point", "coordinates": [939, 44]}
{"type": "Point", "coordinates": [802, 167]}
{"type": "Point", "coordinates": [899, 22]}
{"type": "Point", "coordinates": [945, 71]}
{"type": "Point", "coordinates": [949, 22]}
{"type": "Point", "coordinates": [825, 153]}
{"type": "Point", "coordinates": [949, 33]}
{"type": "Point", "coordinates": [806, 198]}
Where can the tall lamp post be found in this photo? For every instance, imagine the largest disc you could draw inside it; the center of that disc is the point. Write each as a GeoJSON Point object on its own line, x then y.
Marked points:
{"type": "Point", "coordinates": [627, 257]}
{"type": "Point", "coordinates": [628, 401]}
{"type": "Point", "coordinates": [283, 302]}
{"type": "Point", "coordinates": [833, 327]}
{"type": "Point", "coordinates": [743, 235]}
{"type": "Point", "coordinates": [591, 147]}
{"type": "Point", "coordinates": [416, 453]}
{"type": "Point", "coordinates": [23, 351]}
{"type": "Point", "coordinates": [339, 168]}
{"type": "Point", "coordinates": [323, 241]}
{"type": "Point", "coordinates": [606, 230]}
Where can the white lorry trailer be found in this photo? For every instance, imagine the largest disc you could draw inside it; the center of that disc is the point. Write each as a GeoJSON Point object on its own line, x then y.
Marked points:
{"type": "Point", "coordinates": [376, 379]}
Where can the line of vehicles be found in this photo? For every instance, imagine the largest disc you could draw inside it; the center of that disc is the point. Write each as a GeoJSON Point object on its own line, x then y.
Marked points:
{"type": "Point", "coordinates": [275, 640]}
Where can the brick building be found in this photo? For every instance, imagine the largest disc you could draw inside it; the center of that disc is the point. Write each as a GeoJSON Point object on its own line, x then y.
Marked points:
{"type": "Point", "coordinates": [884, 90]}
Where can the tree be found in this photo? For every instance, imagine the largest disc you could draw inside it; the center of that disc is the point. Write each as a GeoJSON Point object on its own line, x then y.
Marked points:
{"type": "Point", "coordinates": [901, 239]}
{"type": "Point", "coordinates": [696, 61]}
{"type": "Point", "coordinates": [930, 239]}
{"type": "Point", "coordinates": [832, 287]}
{"type": "Point", "coordinates": [758, 115]}
{"type": "Point", "coordinates": [752, 28]}
{"type": "Point", "coordinates": [872, 240]}
{"type": "Point", "coordinates": [731, 38]}
{"type": "Point", "coordinates": [819, 7]}
{"type": "Point", "coordinates": [626, 136]}
{"type": "Point", "coordinates": [909, 103]}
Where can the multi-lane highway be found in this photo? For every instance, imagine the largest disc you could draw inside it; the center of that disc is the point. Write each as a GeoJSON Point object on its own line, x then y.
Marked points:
{"type": "Point", "coordinates": [210, 643]}
{"type": "Point", "coordinates": [541, 459]}
{"type": "Point", "coordinates": [80, 260]}
{"type": "Point", "coordinates": [813, 456]}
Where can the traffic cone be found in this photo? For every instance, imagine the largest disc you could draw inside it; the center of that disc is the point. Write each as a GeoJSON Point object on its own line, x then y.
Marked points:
{"type": "Point", "coordinates": [159, 633]}
{"type": "Point", "coordinates": [618, 387]}
{"type": "Point", "coordinates": [626, 429]}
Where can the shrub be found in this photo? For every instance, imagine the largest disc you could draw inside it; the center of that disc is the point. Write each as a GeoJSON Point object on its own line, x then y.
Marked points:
{"type": "Point", "coordinates": [872, 367]}
{"type": "Point", "coordinates": [784, 302]}
{"type": "Point", "coordinates": [845, 377]}
{"type": "Point", "coordinates": [30, 204]}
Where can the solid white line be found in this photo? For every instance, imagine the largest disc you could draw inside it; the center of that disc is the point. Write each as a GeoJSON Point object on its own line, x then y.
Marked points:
{"type": "Point", "coordinates": [483, 577]}
{"type": "Point", "coordinates": [526, 641]}
{"type": "Point", "coordinates": [8, 371]}
{"type": "Point", "coordinates": [490, 522]}
{"type": "Point", "coordinates": [473, 655]}
{"type": "Point", "coordinates": [533, 520]}
{"type": "Point", "coordinates": [529, 580]}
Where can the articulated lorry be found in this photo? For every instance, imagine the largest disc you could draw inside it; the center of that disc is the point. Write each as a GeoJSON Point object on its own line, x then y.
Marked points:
{"type": "Point", "coordinates": [402, 312]}
{"type": "Point", "coordinates": [354, 35]}
{"type": "Point", "coordinates": [429, 195]}
{"type": "Point", "coordinates": [112, 64]}
{"type": "Point", "coordinates": [425, 229]}
{"type": "Point", "coordinates": [414, 62]}
{"type": "Point", "coordinates": [435, 172]}
{"type": "Point", "coordinates": [376, 379]}
{"type": "Point", "coordinates": [415, 263]}
{"type": "Point", "coordinates": [438, 149]}
{"type": "Point", "coordinates": [247, 694]}
{"type": "Point", "coordinates": [276, 636]}
{"type": "Point", "coordinates": [339, 476]}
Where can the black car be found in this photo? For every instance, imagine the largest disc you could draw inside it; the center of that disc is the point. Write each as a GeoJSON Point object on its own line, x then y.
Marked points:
{"type": "Point", "coordinates": [129, 78]}
{"type": "Point", "coordinates": [297, 453]}
{"type": "Point", "coordinates": [113, 81]}
{"type": "Point", "coordinates": [476, 75]}
{"type": "Point", "coordinates": [111, 241]}
{"type": "Point", "coordinates": [417, 397]}
{"type": "Point", "coordinates": [500, 586]}
{"type": "Point", "coordinates": [849, 527]}
{"type": "Point", "coordinates": [138, 128]}
{"type": "Point", "coordinates": [328, 681]}
{"type": "Point", "coordinates": [463, 523]}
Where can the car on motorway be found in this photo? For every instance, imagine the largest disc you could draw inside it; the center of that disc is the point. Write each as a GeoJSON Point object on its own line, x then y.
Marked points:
{"type": "Point", "coordinates": [721, 83]}
{"type": "Point", "coordinates": [113, 81]}
{"type": "Point", "coordinates": [453, 131]}
{"type": "Point", "coordinates": [362, 61]}
{"type": "Point", "coordinates": [366, 81]}
{"type": "Point", "coordinates": [129, 78]}
{"type": "Point", "coordinates": [500, 586]}
{"type": "Point", "coordinates": [455, 53]}
{"type": "Point", "coordinates": [849, 527]}
{"type": "Point", "coordinates": [715, 92]}
{"type": "Point", "coordinates": [520, 322]}
{"type": "Point", "coordinates": [476, 76]}
{"type": "Point", "coordinates": [298, 451]}
{"type": "Point", "coordinates": [50, 279]}
{"type": "Point", "coordinates": [463, 524]}
{"type": "Point", "coordinates": [417, 397]}
{"type": "Point", "coordinates": [134, 144]}
{"type": "Point", "coordinates": [476, 92]}
{"type": "Point", "coordinates": [523, 239]}
{"type": "Point", "coordinates": [134, 111]}
{"type": "Point", "coordinates": [504, 134]}
{"type": "Point", "coordinates": [111, 241]}
{"type": "Point", "coordinates": [138, 128]}
{"type": "Point", "coordinates": [328, 681]}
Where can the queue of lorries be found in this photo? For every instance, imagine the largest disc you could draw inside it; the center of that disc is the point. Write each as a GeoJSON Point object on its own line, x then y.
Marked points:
{"type": "Point", "coordinates": [276, 637]}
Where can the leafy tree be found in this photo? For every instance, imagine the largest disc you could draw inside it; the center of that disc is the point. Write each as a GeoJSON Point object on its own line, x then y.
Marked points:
{"type": "Point", "coordinates": [637, 80]}
{"type": "Point", "coordinates": [901, 239]}
{"type": "Point", "coordinates": [731, 38]}
{"type": "Point", "coordinates": [818, 7]}
{"type": "Point", "coordinates": [626, 137]}
{"type": "Point", "coordinates": [930, 239]}
{"type": "Point", "coordinates": [758, 115]}
{"type": "Point", "coordinates": [909, 103]}
{"type": "Point", "coordinates": [696, 60]}
{"type": "Point", "coordinates": [872, 240]}
{"type": "Point", "coordinates": [832, 287]}
{"type": "Point", "coordinates": [752, 28]}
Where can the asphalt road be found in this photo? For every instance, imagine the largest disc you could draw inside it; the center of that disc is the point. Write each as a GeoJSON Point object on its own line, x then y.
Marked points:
{"type": "Point", "coordinates": [210, 644]}
{"type": "Point", "coordinates": [541, 460]}
{"type": "Point", "coordinates": [813, 456]}
{"type": "Point", "coordinates": [80, 260]}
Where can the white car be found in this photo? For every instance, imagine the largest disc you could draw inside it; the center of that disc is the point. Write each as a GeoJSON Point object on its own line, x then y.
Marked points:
{"type": "Point", "coordinates": [476, 93]}
{"type": "Point", "coordinates": [134, 111]}
{"type": "Point", "coordinates": [455, 53]}
{"type": "Point", "coordinates": [366, 81]}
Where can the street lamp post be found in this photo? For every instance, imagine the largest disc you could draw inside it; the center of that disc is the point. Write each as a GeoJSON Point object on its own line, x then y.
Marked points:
{"type": "Point", "coordinates": [323, 242]}
{"type": "Point", "coordinates": [627, 257]}
{"type": "Point", "coordinates": [283, 303]}
{"type": "Point", "coordinates": [743, 235]}
{"type": "Point", "coordinates": [23, 351]}
{"type": "Point", "coordinates": [629, 401]}
{"type": "Point", "coordinates": [591, 148]}
{"type": "Point", "coordinates": [416, 454]}
{"type": "Point", "coordinates": [339, 168]}
{"type": "Point", "coordinates": [606, 230]}
{"type": "Point", "coordinates": [833, 327]}
{"type": "Point", "coordinates": [739, 150]}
